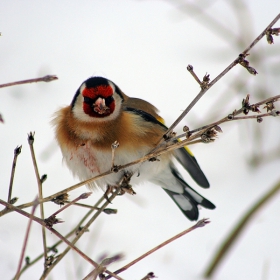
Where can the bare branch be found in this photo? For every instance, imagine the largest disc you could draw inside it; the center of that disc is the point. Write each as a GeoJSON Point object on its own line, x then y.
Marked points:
{"type": "Point", "coordinates": [17, 152]}
{"type": "Point", "coordinates": [48, 78]}
{"type": "Point", "coordinates": [200, 223]}
{"type": "Point", "coordinates": [203, 91]}
{"type": "Point", "coordinates": [40, 192]}
{"type": "Point", "coordinates": [25, 239]}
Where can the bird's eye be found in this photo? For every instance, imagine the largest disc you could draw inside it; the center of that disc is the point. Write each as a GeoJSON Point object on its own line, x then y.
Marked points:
{"type": "Point", "coordinates": [88, 100]}
{"type": "Point", "coordinates": [109, 100]}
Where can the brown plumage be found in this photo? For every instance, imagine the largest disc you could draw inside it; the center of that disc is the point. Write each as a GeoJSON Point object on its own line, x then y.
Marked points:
{"type": "Point", "coordinates": [85, 132]}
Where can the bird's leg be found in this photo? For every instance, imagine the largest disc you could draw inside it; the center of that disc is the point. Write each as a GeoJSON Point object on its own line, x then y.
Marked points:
{"type": "Point", "coordinates": [108, 191]}
{"type": "Point", "coordinates": [125, 186]}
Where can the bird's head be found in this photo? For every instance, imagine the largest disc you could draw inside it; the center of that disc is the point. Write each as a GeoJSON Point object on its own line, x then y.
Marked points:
{"type": "Point", "coordinates": [97, 99]}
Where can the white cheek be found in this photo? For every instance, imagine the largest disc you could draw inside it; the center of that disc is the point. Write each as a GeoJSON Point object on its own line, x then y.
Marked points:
{"type": "Point", "coordinates": [79, 113]}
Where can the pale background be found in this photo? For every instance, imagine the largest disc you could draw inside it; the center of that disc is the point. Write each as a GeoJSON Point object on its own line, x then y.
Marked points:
{"type": "Point", "coordinates": [144, 47]}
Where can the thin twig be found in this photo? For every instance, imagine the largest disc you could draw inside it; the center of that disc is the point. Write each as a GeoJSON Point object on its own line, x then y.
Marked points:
{"type": "Point", "coordinates": [229, 241]}
{"type": "Point", "coordinates": [106, 210]}
{"type": "Point", "coordinates": [17, 151]}
{"type": "Point", "coordinates": [66, 236]}
{"type": "Point", "coordinates": [25, 239]}
{"type": "Point", "coordinates": [41, 222]}
{"type": "Point", "coordinates": [102, 268]}
{"type": "Point", "coordinates": [81, 232]}
{"type": "Point", "coordinates": [203, 91]}
{"type": "Point", "coordinates": [48, 78]}
{"type": "Point", "coordinates": [82, 196]}
{"type": "Point", "coordinates": [200, 223]}
{"type": "Point", "coordinates": [228, 119]}
{"type": "Point", "coordinates": [40, 192]}
{"type": "Point", "coordinates": [190, 69]}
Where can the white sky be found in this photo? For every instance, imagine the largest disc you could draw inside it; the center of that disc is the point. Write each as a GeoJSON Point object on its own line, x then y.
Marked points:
{"type": "Point", "coordinates": [144, 47]}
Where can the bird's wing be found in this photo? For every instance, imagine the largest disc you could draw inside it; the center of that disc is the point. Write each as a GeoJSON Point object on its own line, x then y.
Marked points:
{"type": "Point", "coordinates": [188, 161]}
{"type": "Point", "coordinates": [183, 155]}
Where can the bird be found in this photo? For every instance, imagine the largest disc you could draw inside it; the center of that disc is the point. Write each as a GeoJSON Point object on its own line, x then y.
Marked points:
{"type": "Point", "coordinates": [101, 114]}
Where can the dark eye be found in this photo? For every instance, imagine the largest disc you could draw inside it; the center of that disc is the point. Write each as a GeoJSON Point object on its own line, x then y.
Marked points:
{"type": "Point", "coordinates": [109, 100]}
{"type": "Point", "coordinates": [88, 100]}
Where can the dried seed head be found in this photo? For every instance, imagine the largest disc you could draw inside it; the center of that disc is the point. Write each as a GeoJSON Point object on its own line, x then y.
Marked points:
{"type": "Point", "coordinates": [153, 159]}
{"type": "Point", "coordinates": [205, 81]}
{"type": "Point", "coordinates": [85, 195]}
{"type": "Point", "coordinates": [190, 67]}
{"type": "Point", "coordinates": [206, 139]}
{"type": "Point", "coordinates": [49, 78]}
{"type": "Point", "coordinates": [115, 168]}
{"type": "Point", "coordinates": [110, 211]}
{"type": "Point", "coordinates": [61, 199]}
{"type": "Point", "coordinates": [244, 63]}
{"type": "Point", "coordinates": [52, 220]}
{"type": "Point", "coordinates": [206, 78]}
{"type": "Point", "coordinates": [246, 105]}
{"type": "Point", "coordinates": [30, 138]}
{"type": "Point", "coordinates": [259, 119]}
{"type": "Point", "coordinates": [255, 108]}
{"type": "Point", "coordinates": [49, 260]}
{"type": "Point", "coordinates": [218, 128]}
{"type": "Point", "coordinates": [275, 31]}
{"type": "Point", "coordinates": [245, 102]}
{"type": "Point", "coordinates": [252, 70]}
{"type": "Point", "coordinates": [269, 39]}
{"type": "Point", "coordinates": [149, 276]}
{"type": "Point", "coordinates": [269, 106]}
{"type": "Point", "coordinates": [210, 134]}
{"type": "Point", "coordinates": [17, 150]}
{"type": "Point", "coordinates": [108, 261]}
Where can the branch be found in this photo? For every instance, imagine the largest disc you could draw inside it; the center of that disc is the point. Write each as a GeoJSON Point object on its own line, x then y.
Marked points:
{"type": "Point", "coordinates": [25, 240]}
{"type": "Point", "coordinates": [200, 223]}
{"type": "Point", "coordinates": [17, 152]}
{"type": "Point", "coordinates": [40, 192]}
{"type": "Point", "coordinates": [206, 134]}
{"type": "Point", "coordinates": [48, 78]}
{"type": "Point", "coordinates": [204, 90]}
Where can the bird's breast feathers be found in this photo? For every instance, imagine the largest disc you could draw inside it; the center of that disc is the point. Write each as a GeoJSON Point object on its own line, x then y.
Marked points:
{"type": "Point", "coordinates": [86, 147]}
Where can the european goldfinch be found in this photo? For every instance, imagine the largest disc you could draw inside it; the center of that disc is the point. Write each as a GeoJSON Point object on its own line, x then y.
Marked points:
{"type": "Point", "coordinates": [100, 114]}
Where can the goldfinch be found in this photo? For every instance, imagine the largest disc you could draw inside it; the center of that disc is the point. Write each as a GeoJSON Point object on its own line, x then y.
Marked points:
{"type": "Point", "coordinates": [100, 114]}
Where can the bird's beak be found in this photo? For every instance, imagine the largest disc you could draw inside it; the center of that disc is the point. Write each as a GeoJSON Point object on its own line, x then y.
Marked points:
{"type": "Point", "coordinates": [99, 106]}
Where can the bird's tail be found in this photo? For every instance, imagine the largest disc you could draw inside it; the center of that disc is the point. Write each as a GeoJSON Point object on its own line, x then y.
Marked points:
{"type": "Point", "coordinates": [186, 198]}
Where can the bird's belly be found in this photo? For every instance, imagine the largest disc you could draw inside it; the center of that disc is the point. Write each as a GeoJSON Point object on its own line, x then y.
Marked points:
{"type": "Point", "coordinates": [86, 162]}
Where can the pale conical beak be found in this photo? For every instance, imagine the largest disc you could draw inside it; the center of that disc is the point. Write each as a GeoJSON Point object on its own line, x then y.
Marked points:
{"type": "Point", "coordinates": [99, 106]}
